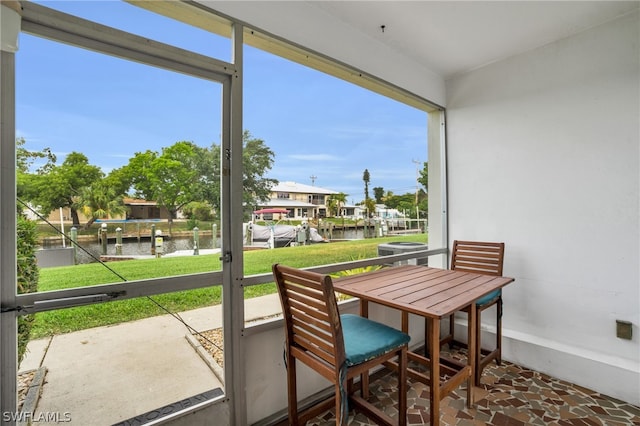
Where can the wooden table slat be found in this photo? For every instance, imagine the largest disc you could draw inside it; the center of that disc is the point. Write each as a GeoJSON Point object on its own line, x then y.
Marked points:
{"type": "Point", "coordinates": [444, 288]}
{"type": "Point", "coordinates": [385, 277]}
{"type": "Point", "coordinates": [460, 300]}
{"type": "Point", "coordinates": [412, 283]}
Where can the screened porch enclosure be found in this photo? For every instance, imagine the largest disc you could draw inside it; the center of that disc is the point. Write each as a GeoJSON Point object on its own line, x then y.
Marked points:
{"type": "Point", "coordinates": [532, 110]}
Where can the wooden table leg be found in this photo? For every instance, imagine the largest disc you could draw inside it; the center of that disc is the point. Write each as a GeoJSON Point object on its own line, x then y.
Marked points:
{"type": "Point", "coordinates": [471, 355]}
{"type": "Point", "coordinates": [405, 322]}
{"type": "Point", "coordinates": [364, 308]}
{"type": "Point", "coordinates": [434, 370]}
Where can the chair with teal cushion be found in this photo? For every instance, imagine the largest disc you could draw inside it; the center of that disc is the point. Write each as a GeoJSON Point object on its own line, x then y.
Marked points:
{"type": "Point", "coordinates": [480, 258]}
{"type": "Point", "coordinates": [338, 347]}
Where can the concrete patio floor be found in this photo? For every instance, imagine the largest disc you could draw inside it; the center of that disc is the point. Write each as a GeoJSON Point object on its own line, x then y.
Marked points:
{"type": "Point", "coordinates": [130, 372]}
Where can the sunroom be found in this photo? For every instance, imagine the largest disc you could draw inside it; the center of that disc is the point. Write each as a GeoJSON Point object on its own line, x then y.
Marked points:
{"type": "Point", "coordinates": [532, 111]}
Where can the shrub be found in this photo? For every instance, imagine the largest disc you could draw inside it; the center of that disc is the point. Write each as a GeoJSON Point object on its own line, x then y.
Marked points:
{"type": "Point", "coordinates": [198, 211]}
{"type": "Point", "coordinates": [27, 274]}
{"type": "Point", "coordinates": [192, 223]}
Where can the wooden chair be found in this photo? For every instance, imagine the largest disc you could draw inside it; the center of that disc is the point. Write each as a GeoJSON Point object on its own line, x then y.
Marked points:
{"type": "Point", "coordinates": [480, 258]}
{"type": "Point", "coordinates": [338, 347]}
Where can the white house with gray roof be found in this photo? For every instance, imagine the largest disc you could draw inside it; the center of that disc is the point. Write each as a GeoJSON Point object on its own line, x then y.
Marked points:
{"type": "Point", "coordinates": [302, 201]}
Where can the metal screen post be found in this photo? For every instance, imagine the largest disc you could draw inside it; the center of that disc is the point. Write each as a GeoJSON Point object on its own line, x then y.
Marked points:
{"type": "Point", "coordinates": [9, 30]}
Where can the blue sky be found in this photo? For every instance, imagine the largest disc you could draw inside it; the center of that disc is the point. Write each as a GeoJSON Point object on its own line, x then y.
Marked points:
{"type": "Point", "coordinates": [70, 99]}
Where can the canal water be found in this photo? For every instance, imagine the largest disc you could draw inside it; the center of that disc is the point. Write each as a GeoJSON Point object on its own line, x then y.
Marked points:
{"type": "Point", "coordinates": [133, 247]}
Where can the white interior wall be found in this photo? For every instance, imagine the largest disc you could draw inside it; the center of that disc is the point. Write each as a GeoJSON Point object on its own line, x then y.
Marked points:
{"type": "Point", "coordinates": [543, 154]}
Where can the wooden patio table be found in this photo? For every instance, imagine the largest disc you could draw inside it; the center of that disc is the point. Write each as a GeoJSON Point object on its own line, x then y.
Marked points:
{"type": "Point", "coordinates": [434, 294]}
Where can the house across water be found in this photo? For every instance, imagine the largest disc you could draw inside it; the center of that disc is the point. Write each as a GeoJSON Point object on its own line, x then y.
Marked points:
{"type": "Point", "coordinates": [300, 200]}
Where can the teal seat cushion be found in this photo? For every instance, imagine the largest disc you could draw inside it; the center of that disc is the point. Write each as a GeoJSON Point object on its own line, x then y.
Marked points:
{"type": "Point", "coordinates": [365, 339]}
{"type": "Point", "coordinates": [488, 297]}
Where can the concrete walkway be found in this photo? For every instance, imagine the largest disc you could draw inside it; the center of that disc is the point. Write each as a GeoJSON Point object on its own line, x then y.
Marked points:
{"type": "Point", "coordinates": [107, 375]}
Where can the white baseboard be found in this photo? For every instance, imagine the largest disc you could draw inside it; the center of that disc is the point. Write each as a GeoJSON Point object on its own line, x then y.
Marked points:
{"type": "Point", "coordinates": [604, 373]}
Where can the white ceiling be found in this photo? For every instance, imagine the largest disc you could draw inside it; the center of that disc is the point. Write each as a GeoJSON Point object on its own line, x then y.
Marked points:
{"type": "Point", "coordinates": [449, 37]}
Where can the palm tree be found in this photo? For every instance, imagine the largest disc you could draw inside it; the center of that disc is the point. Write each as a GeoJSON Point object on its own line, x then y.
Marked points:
{"type": "Point", "coordinates": [341, 198]}
{"type": "Point", "coordinates": [335, 202]}
{"type": "Point", "coordinates": [332, 205]}
{"type": "Point", "coordinates": [366, 178]}
{"type": "Point", "coordinates": [368, 202]}
{"type": "Point", "coordinates": [99, 201]}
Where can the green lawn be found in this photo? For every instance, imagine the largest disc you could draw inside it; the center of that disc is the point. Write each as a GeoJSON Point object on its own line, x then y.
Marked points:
{"type": "Point", "coordinates": [255, 262]}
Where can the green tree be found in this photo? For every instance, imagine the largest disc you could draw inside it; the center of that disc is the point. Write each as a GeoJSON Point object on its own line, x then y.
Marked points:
{"type": "Point", "coordinates": [60, 186]}
{"type": "Point", "coordinates": [423, 197]}
{"type": "Point", "coordinates": [335, 202]}
{"type": "Point", "coordinates": [198, 211]}
{"type": "Point", "coordinates": [25, 160]}
{"type": "Point", "coordinates": [369, 203]}
{"type": "Point", "coordinates": [120, 180]}
{"type": "Point", "coordinates": [184, 173]}
{"type": "Point", "coordinates": [100, 201]}
{"type": "Point", "coordinates": [257, 160]}
{"type": "Point", "coordinates": [424, 177]}
{"type": "Point", "coordinates": [209, 176]}
{"type": "Point", "coordinates": [378, 194]}
{"type": "Point", "coordinates": [27, 272]}
{"type": "Point", "coordinates": [332, 206]}
{"type": "Point", "coordinates": [387, 195]}
{"type": "Point", "coordinates": [423, 205]}
{"type": "Point", "coordinates": [366, 177]}
{"type": "Point", "coordinates": [173, 177]}
{"type": "Point", "coordinates": [135, 175]}
{"type": "Point", "coordinates": [401, 202]}
{"type": "Point", "coordinates": [170, 178]}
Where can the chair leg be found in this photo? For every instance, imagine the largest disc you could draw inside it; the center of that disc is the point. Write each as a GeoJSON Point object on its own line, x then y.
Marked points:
{"type": "Point", "coordinates": [452, 327]}
{"type": "Point", "coordinates": [426, 338]}
{"type": "Point", "coordinates": [364, 385]}
{"type": "Point", "coordinates": [402, 388]}
{"type": "Point", "coordinates": [450, 338]}
{"type": "Point", "coordinates": [499, 331]}
{"type": "Point", "coordinates": [478, 354]}
{"type": "Point", "coordinates": [292, 390]}
{"type": "Point", "coordinates": [483, 361]}
{"type": "Point", "coordinates": [341, 418]}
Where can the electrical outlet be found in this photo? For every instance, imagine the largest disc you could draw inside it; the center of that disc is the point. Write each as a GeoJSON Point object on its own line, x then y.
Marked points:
{"type": "Point", "coordinates": [623, 329]}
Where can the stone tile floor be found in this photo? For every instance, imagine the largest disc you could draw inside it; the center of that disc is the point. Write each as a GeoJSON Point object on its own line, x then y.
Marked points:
{"type": "Point", "coordinates": [509, 395]}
